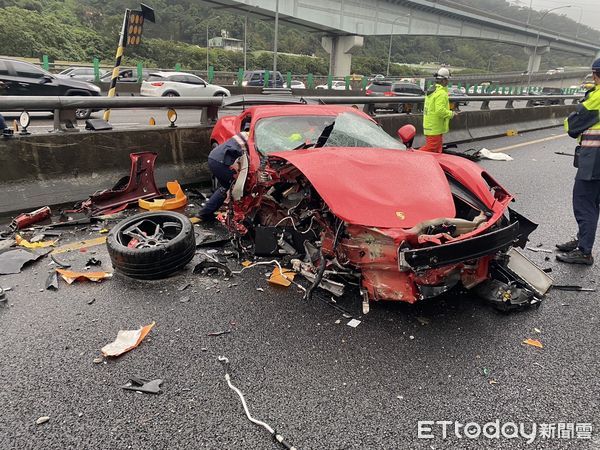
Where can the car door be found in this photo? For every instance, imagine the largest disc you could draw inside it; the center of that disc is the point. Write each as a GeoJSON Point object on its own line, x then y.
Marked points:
{"type": "Point", "coordinates": [177, 83]}
{"type": "Point", "coordinates": [31, 80]}
{"type": "Point", "coordinates": [7, 80]}
{"type": "Point", "coordinates": [197, 86]}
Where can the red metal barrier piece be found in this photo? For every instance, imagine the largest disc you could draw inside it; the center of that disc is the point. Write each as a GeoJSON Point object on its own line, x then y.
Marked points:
{"type": "Point", "coordinates": [140, 184]}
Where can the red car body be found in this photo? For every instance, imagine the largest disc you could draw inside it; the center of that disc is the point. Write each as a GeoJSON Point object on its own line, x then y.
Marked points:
{"type": "Point", "coordinates": [414, 224]}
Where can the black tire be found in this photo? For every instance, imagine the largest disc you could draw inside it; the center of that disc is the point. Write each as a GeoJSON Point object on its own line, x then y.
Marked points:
{"type": "Point", "coordinates": [156, 260]}
{"type": "Point", "coordinates": [170, 94]}
{"type": "Point", "coordinates": [220, 94]}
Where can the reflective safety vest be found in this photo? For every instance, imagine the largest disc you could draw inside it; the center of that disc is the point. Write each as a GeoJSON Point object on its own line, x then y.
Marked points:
{"type": "Point", "coordinates": [584, 125]}
{"type": "Point", "coordinates": [437, 112]}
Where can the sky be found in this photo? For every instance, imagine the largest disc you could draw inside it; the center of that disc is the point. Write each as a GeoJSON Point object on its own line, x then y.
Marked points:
{"type": "Point", "coordinates": [590, 8]}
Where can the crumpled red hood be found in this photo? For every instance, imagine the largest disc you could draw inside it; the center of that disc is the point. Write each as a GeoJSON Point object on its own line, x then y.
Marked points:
{"type": "Point", "coordinates": [376, 187]}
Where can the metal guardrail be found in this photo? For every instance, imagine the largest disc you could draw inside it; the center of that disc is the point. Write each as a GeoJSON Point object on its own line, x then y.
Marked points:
{"type": "Point", "coordinates": [64, 107]}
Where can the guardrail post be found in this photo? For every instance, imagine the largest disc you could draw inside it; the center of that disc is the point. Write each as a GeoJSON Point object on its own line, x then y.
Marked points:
{"type": "Point", "coordinates": [140, 72]}
{"type": "Point", "coordinates": [289, 80]}
{"type": "Point", "coordinates": [485, 105]}
{"type": "Point", "coordinates": [211, 74]}
{"type": "Point", "coordinates": [529, 104]}
{"type": "Point", "coordinates": [575, 101]}
{"type": "Point", "coordinates": [347, 80]}
{"type": "Point", "coordinates": [310, 81]}
{"type": "Point", "coordinates": [45, 62]}
{"type": "Point", "coordinates": [240, 76]}
{"type": "Point", "coordinates": [65, 120]}
{"type": "Point", "coordinates": [509, 104]}
{"type": "Point", "coordinates": [329, 81]}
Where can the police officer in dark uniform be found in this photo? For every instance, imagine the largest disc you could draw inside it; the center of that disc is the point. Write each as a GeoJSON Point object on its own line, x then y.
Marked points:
{"type": "Point", "coordinates": [220, 160]}
{"type": "Point", "coordinates": [584, 125]}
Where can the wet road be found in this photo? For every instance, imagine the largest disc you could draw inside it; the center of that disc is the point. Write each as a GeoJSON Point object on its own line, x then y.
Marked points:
{"type": "Point", "coordinates": [322, 384]}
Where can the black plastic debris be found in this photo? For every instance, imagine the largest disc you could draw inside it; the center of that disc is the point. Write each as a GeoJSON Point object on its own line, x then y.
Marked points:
{"type": "Point", "coordinates": [145, 386]}
{"type": "Point", "coordinates": [572, 287]}
{"type": "Point", "coordinates": [93, 262]}
{"type": "Point", "coordinates": [12, 261]}
{"type": "Point", "coordinates": [219, 333]}
{"type": "Point", "coordinates": [211, 268]}
{"type": "Point", "coordinates": [58, 262]}
{"type": "Point", "coordinates": [52, 281]}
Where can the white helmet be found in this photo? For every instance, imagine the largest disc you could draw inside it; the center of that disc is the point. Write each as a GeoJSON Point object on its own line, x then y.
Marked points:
{"type": "Point", "coordinates": [443, 73]}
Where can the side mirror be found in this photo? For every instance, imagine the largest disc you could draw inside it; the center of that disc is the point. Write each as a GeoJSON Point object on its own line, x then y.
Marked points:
{"type": "Point", "coordinates": [45, 79]}
{"type": "Point", "coordinates": [407, 134]}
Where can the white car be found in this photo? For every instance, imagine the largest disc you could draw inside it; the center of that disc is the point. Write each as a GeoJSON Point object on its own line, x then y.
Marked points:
{"type": "Point", "coordinates": [335, 85]}
{"type": "Point", "coordinates": [179, 84]}
{"type": "Point", "coordinates": [295, 85]}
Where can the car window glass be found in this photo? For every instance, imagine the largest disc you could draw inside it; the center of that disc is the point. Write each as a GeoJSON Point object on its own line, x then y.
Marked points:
{"type": "Point", "coordinates": [351, 130]}
{"type": "Point", "coordinates": [3, 68]}
{"type": "Point", "coordinates": [192, 79]}
{"type": "Point", "coordinates": [155, 77]}
{"type": "Point", "coordinates": [256, 76]}
{"type": "Point", "coordinates": [379, 87]}
{"type": "Point", "coordinates": [27, 70]}
{"type": "Point", "coordinates": [178, 78]}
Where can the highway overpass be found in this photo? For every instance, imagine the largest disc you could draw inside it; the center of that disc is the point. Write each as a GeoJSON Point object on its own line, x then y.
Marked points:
{"type": "Point", "coordinates": [346, 22]}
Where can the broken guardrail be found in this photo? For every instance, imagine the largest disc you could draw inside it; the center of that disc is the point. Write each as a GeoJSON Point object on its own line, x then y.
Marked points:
{"type": "Point", "coordinates": [65, 120]}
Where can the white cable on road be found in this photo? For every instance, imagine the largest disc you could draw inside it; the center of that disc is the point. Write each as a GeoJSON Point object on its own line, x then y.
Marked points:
{"type": "Point", "coordinates": [279, 438]}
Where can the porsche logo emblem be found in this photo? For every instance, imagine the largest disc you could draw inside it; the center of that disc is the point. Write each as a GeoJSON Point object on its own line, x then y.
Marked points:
{"type": "Point", "coordinates": [400, 215]}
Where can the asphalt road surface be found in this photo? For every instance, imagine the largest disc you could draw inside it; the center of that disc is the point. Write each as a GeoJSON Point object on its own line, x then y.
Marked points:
{"type": "Point", "coordinates": [319, 382]}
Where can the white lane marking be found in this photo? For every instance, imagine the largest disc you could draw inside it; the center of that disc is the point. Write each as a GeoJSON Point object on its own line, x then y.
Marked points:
{"type": "Point", "coordinates": [523, 144]}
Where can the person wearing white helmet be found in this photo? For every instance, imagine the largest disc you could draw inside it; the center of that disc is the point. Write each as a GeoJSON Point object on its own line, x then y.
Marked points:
{"type": "Point", "coordinates": [437, 113]}
{"type": "Point", "coordinates": [220, 162]}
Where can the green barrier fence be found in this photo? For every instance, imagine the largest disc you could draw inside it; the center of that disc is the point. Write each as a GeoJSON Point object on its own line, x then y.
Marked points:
{"type": "Point", "coordinates": [96, 69]}
{"type": "Point", "coordinates": [140, 72]}
{"type": "Point", "coordinates": [267, 75]}
{"type": "Point", "coordinates": [310, 81]}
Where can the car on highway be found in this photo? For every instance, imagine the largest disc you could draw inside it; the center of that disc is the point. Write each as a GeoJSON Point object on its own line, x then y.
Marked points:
{"type": "Point", "coordinates": [22, 78]}
{"type": "Point", "coordinates": [389, 89]}
{"type": "Point", "coordinates": [80, 73]}
{"type": "Point", "coordinates": [336, 85]}
{"type": "Point", "coordinates": [588, 82]}
{"type": "Point", "coordinates": [295, 85]}
{"type": "Point", "coordinates": [376, 224]}
{"type": "Point", "coordinates": [459, 97]}
{"type": "Point", "coordinates": [256, 78]}
{"type": "Point", "coordinates": [180, 84]}
{"type": "Point", "coordinates": [548, 91]}
{"type": "Point", "coordinates": [125, 76]}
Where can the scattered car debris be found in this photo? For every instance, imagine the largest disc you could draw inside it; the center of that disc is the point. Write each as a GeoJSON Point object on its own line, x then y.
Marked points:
{"type": "Point", "coordinates": [12, 261]}
{"type": "Point", "coordinates": [126, 340]}
{"type": "Point", "coordinates": [85, 244]}
{"type": "Point", "coordinates": [275, 435]}
{"type": "Point", "coordinates": [98, 360]}
{"type": "Point", "coordinates": [138, 185]}
{"type": "Point", "coordinates": [71, 276]}
{"type": "Point", "coordinates": [93, 262]}
{"type": "Point", "coordinates": [3, 297]}
{"type": "Point", "coordinates": [282, 277]}
{"type": "Point", "coordinates": [211, 268]}
{"type": "Point", "coordinates": [91, 302]}
{"type": "Point", "coordinates": [537, 249]}
{"type": "Point", "coordinates": [183, 287]}
{"type": "Point", "coordinates": [138, 244]}
{"type": "Point", "coordinates": [141, 385]}
{"type": "Point", "coordinates": [219, 333]}
{"type": "Point", "coordinates": [27, 219]}
{"type": "Point", "coordinates": [21, 242]}
{"type": "Point", "coordinates": [52, 281]}
{"type": "Point", "coordinates": [177, 202]}
{"type": "Point", "coordinates": [58, 262]}
{"type": "Point", "coordinates": [564, 154]}
{"type": "Point", "coordinates": [185, 299]}
{"type": "Point", "coordinates": [42, 420]}
{"type": "Point", "coordinates": [484, 153]}
{"type": "Point", "coordinates": [533, 343]}
{"type": "Point", "coordinates": [574, 288]}
{"type": "Point", "coordinates": [353, 323]}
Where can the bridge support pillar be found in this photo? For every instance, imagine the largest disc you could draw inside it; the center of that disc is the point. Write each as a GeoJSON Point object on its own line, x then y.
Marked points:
{"type": "Point", "coordinates": [535, 57]}
{"type": "Point", "coordinates": [340, 49]}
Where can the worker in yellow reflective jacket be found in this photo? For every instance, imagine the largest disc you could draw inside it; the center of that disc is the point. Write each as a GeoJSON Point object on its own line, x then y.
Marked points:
{"type": "Point", "coordinates": [584, 125]}
{"type": "Point", "coordinates": [437, 113]}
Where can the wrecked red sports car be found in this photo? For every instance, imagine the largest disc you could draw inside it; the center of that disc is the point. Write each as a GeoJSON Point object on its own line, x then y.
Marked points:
{"type": "Point", "coordinates": [327, 182]}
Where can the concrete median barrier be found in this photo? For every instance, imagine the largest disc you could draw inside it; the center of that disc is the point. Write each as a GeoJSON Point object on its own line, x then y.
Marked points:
{"type": "Point", "coordinates": [48, 169]}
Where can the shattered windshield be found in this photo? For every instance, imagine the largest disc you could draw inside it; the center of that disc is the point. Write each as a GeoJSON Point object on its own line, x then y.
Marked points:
{"type": "Point", "coordinates": [276, 134]}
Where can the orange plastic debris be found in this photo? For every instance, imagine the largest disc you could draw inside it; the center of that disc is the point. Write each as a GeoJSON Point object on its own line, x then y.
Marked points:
{"type": "Point", "coordinates": [126, 340]}
{"type": "Point", "coordinates": [179, 201]}
{"type": "Point", "coordinates": [25, 243]}
{"type": "Point", "coordinates": [70, 276]}
{"type": "Point", "coordinates": [534, 343]}
{"type": "Point", "coordinates": [282, 278]}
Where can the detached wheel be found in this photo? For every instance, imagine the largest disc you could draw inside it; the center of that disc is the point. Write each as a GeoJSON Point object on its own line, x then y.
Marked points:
{"type": "Point", "coordinates": [151, 245]}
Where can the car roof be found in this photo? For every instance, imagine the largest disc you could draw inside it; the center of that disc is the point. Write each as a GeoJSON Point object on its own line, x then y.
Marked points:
{"type": "Point", "coordinates": [168, 74]}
